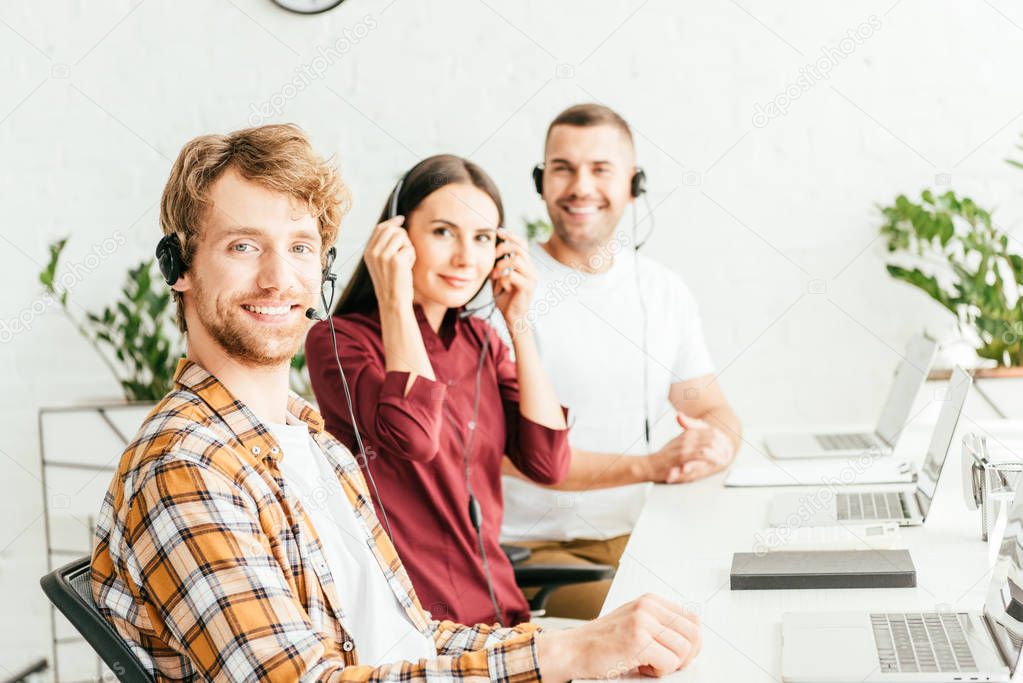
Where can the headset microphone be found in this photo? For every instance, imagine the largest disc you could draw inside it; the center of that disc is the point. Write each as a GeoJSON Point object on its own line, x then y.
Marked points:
{"type": "Point", "coordinates": [172, 265]}
{"type": "Point", "coordinates": [326, 277]}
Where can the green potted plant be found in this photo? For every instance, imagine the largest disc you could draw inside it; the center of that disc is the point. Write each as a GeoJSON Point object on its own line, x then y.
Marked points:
{"type": "Point", "coordinates": [538, 229]}
{"type": "Point", "coordinates": [132, 336]}
{"type": "Point", "coordinates": [948, 247]}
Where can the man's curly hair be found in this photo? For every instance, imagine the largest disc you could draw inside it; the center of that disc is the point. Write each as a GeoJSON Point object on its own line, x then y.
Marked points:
{"type": "Point", "coordinates": [278, 157]}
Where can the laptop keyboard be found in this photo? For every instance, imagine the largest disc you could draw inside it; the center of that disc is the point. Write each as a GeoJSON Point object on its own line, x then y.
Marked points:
{"type": "Point", "coordinates": [868, 506]}
{"type": "Point", "coordinates": [922, 642]}
{"type": "Point", "coordinates": [844, 442]}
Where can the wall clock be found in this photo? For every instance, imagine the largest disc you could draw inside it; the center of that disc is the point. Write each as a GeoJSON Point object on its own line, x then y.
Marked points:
{"type": "Point", "coordinates": [308, 6]}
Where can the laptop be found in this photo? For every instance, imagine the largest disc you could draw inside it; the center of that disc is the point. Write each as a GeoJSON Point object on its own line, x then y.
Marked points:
{"type": "Point", "coordinates": [908, 507]}
{"type": "Point", "coordinates": [868, 647]}
{"type": "Point", "coordinates": [910, 375]}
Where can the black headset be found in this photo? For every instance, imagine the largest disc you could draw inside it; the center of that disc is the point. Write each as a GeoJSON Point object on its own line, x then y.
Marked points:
{"type": "Point", "coordinates": [392, 202]}
{"type": "Point", "coordinates": [475, 510]}
{"type": "Point", "coordinates": [392, 211]}
{"type": "Point", "coordinates": [637, 186]}
{"type": "Point", "coordinates": [172, 266]}
{"type": "Point", "coordinates": [170, 259]}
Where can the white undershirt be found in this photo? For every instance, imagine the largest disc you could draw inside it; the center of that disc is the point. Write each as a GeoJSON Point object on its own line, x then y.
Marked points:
{"type": "Point", "coordinates": [589, 332]}
{"type": "Point", "coordinates": [381, 630]}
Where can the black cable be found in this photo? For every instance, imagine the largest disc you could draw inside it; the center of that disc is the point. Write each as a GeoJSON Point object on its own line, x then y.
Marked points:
{"type": "Point", "coordinates": [475, 511]}
{"type": "Point", "coordinates": [351, 410]}
{"type": "Point", "coordinates": [642, 308]}
{"type": "Point", "coordinates": [653, 224]}
{"type": "Point", "coordinates": [469, 311]}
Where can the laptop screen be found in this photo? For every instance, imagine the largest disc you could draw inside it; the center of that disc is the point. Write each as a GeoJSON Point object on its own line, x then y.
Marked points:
{"type": "Point", "coordinates": [1004, 604]}
{"type": "Point", "coordinates": [909, 377]}
{"type": "Point", "coordinates": [941, 439]}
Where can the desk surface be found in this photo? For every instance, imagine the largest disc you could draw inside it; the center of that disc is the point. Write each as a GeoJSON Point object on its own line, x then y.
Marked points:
{"type": "Point", "coordinates": [682, 549]}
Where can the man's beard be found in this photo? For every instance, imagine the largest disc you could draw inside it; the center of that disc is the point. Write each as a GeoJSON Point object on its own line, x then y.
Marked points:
{"type": "Point", "coordinates": [582, 240]}
{"type": "Point", "coordinates": [270, 346]}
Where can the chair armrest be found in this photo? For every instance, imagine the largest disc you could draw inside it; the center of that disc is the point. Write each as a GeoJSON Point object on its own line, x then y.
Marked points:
{"type": "Point", "coordinates": [516, 553]}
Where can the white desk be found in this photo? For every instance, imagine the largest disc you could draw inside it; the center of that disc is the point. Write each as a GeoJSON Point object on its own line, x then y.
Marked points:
{"type": "Point", "coordinates": [683, 543]}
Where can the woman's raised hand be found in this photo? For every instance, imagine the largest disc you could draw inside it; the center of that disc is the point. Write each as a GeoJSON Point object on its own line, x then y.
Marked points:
{"type": "Point", "coordinates": [389, 258]}
{"type": "Point", "coordinates": [513, 280]}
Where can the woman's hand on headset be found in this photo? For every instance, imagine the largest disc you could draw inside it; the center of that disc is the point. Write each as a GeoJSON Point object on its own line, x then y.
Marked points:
{"type": "Point", "coordinates": [513, 280]}
{"type": "Point", "coordinates": [389, 258]}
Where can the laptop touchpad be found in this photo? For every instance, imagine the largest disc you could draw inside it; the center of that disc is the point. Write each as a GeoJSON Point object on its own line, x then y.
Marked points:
{"type": "Point", "coordinates": [819, 652]}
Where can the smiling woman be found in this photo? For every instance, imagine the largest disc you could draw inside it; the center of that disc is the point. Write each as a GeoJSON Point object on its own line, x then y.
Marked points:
{"type": "Point", "coordinates": [483, 210]}
{"type": "Point", "coordinates": [436, 395]}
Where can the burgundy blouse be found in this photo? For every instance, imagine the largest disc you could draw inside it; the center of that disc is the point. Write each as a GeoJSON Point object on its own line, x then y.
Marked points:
{"type": "Point", "coordinates": [415, 445]}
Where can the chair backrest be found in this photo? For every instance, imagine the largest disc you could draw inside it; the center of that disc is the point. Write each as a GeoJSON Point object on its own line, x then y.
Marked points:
{"type": "Point", "coordinates": [69, 589]}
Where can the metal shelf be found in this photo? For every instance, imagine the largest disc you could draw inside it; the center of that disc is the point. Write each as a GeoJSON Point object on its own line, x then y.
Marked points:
{"type": "Point", "coordinates": [84, 448]}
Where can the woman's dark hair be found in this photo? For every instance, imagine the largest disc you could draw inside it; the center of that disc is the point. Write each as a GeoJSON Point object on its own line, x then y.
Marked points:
{"type": "Point", "coordinates": [426, 177]}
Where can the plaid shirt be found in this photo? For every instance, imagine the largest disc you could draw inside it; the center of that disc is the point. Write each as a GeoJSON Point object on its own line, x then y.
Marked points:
{"type": "Point", "coordinates": [206, 564]}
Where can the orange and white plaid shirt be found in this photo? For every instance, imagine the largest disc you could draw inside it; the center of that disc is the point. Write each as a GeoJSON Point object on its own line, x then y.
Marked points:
{"type": "Point", "coordinates": [207, 565]}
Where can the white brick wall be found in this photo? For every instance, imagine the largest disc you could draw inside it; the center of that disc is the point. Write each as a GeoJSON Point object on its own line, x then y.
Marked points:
{"type": "Point", "coordinates": [98, 97]}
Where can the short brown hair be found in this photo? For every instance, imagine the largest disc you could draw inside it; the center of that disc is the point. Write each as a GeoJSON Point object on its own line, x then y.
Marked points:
{"type": "Point", "coordinates": [278, 157]}
{"type": "Point", "coordinates": [590, 114]}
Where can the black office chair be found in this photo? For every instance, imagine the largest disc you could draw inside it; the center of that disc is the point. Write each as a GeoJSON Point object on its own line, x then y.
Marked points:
{"type": "Point", "coordinates": [69, 588]}
{"type": "Point", "coordinates": [70, 591]}
{"type": "Point", "coordinates": [550, 577]}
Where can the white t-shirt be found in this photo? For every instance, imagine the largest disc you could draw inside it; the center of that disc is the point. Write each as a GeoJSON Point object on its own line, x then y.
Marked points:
{"type": "Point", "coordinates": [589, 331]}
{"type": "Point", "coordinates": [379, 626]}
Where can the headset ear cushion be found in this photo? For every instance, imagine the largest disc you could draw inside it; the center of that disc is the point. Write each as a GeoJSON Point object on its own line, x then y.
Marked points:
{"type": "Point", "coordinates": [538, 179]}
{"type": "Point", "coordinates": [638, 182]}
{"type": "Point", "coordinates": [168, 257]}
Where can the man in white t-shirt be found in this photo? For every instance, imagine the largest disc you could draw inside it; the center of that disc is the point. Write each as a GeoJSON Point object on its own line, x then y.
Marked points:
{"type": "Point", "coordinates": [620, 336]}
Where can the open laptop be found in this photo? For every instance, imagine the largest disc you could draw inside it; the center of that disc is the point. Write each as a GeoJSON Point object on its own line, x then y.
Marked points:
{"type": "Point", "coordinates": [908, 507]}
{"type": "Point", "coordinates": [868, 647]}
{"type": "Point", "coordinates": [910, 375]}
